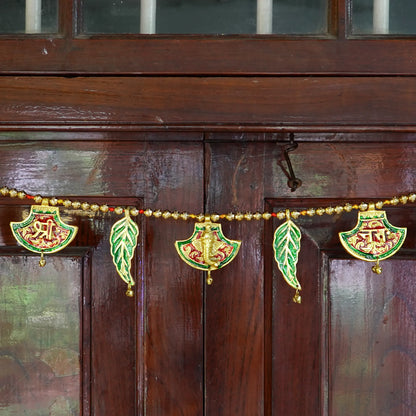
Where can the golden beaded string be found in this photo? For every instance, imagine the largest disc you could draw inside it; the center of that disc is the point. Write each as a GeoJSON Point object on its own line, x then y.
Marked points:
{"type": "Point", "coordinates": [239, 216]}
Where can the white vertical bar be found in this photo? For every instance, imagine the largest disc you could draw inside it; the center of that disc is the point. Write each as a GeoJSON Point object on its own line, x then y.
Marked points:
{"type": "Point", "coordinates": [264, 17]}
{"type": "Point", "coordinates": [33, 22]}
{"type": "Point", "coordinates": [148, 16]}
{"type": "Point", "coordinates": [381, 13]}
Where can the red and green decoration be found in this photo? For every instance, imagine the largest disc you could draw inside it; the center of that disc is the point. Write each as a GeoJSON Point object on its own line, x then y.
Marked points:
{"type": "Point", "coordinates": [373, 238]}
{"type": "Point", "coordinates": [43, 231]}
{"type": "Point", "coordinates": [207, 249]}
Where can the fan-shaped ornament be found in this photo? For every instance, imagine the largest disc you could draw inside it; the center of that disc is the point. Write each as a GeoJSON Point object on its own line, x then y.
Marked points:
{"type": "Point", "coordinates": [373, 238]}
{"type": "Point", "coordinates": [207, 249]}
{"type": "Point", "coordinates": [43, 231]}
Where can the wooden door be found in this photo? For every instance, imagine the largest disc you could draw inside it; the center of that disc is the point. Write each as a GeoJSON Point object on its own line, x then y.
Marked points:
{"type": "Point", "coordinates": [180, 347]}
{"type": "Point", "coordinates": [72, 341]}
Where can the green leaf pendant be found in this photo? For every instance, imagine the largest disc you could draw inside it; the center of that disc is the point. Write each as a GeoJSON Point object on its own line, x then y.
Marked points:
{"type": "Point", "coordinates": [286, 245]}
{"type": "Point", "coordinates": [123, 240]}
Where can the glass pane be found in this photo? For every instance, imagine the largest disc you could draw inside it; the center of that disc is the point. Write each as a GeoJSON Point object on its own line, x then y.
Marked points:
{"type": "Point", "coordinates": [39, 336]}
{"type": "Point", "coordinates": [28, 16]}
{"type": "Point", "coordinates": [111, 16]}
{"type": "Point", "coordinates": [205, 16]}
{"type": "Point", "coordinates": [396, 17]}
{"type": "Point", "coordinates": [300, 16]}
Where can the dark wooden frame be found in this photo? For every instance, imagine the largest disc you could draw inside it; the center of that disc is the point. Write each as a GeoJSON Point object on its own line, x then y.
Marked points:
{"type": "Point", "coordinates": [338, 53]}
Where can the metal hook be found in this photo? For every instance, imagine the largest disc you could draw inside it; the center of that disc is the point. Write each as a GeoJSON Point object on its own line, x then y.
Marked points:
{"type": "Point", "coordinates": [293, 183]}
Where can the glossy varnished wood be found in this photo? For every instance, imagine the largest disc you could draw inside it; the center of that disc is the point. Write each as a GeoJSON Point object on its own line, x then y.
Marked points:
{"type": "Point", "coordinates": [334, 102]}
{"type": "Point", "coordinates": [193, 55]}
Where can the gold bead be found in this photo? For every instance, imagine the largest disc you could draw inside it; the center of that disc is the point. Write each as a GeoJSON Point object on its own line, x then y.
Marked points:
{"type": "Point", "coordinates": [215, 217]}
{"type": "Point", "coordinates": [339, 209]}
{"type": "Point", "coordinates": [297, 298]}
{"type": "Point", "coordinates": [267, 215]}
{"type": "Point", "coordinates": [239, 216]}
{"type": "Point", "coordinates": [295, 214]}
{"type": "Point", "coordinates": [157, 214]}
{"type": "Point", "coordinates": [257, 216]}
{"type": "Point", "coordinates": [85, 206]}
{"type": "Point", "coordinates": [348, 207]}
{"type": "Point", "coordinates": [38, 199]}
{"type": "Point", "coordinates": [67, 203]}
{"type": "Point", "coordinates": [166, 215]}
{"type": "Point", "coordinates": [363, 206]}
{"type": "Point", "coordinates": [53, 201]}
{"type": "Point", "coordinates": [377, 269]}
{"type": "Point", "coordinates": [200, 217]}
{"type": "Point", "coordinates": [248, 216]}
{"type": "Point", "coordinates": [329, 210]}
{"type": "Point", "coordinates": [184, 216]}
{"type": "Point", "coordinates": [130, 292]}
{"type": "Point", "coordinates": [230, 216]}
{"type": "Point", "coordinates": [175, 215]}
{"type": "Point", "coordinates": [394, 201]}
{"type": "Point", "coordinates": [94, 207]}
{"type": "Point", "coordinates": [21, 195]}
{"type": "Point", "coordinates": [133, 211]}
{"type": "Point", "coordinates": [103, 208]}
{"type": "Point", "coordinates": [412, 197]}
{"type": "Point", "coordinates": [320, 211]}
{"type": "Point", "coordinates": [4, 191]}
{"type": "Point", "coordinates": [311, 212]}
{"type": "Point", "coordinates": [379, 204]}
{"type": "Point", "coordinates": [148, 212]}
{"type": "Point", "coordinates": [281, 215]}
{"type": "Point", "coordinates": [13, 193]}
{"type": "Point", "coordinates": [403, 199]}
{"type": "Point", "coordinates": [119, 211]}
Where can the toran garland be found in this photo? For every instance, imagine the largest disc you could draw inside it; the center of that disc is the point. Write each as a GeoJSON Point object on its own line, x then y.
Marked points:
{"type": "Point", "coordinates": [372, 239]}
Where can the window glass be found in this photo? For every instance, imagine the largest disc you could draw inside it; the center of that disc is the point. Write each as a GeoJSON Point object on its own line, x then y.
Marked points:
{"type": "Point", "coordinates": [384, 17]}
{"type": "Point", "coordinates": [28, 16]}
{"type": "Point", "coordinates": [205, 16]}
{"type": "Point", "coordinates": [111, 16]}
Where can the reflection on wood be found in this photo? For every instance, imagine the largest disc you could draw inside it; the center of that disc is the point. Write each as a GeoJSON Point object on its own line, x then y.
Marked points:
{"type": "Point", "coordinates": [373, 338]}
{"type": "Point", "coordinates": [39, 344]}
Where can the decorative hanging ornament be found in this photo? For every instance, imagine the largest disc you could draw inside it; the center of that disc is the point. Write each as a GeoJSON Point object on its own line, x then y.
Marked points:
{"type": "Point", "coordinates": [373, 238]}
{"type": "Point", "coordinates": [207, 249]}
{"type": "Point", "coordinates": [43, 231]}
{"type": "Point", "coordinates": [286, 245]}
{"type": "Point", "coordinates": [123, 240]}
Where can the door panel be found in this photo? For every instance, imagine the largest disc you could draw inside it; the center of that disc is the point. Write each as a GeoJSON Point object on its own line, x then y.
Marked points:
{"type": "Point", "coordinates": [135, 355]}
{"type": "Point", "coordinates": [372, 339]}
{"type": "Point", "coordinates": [239, 346]}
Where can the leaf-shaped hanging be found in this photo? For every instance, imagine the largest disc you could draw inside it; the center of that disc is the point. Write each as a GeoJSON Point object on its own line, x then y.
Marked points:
{"type": "Point", "coordinates": [286, 246]}
{"type": "Point", "coordinates": [123, 240]}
